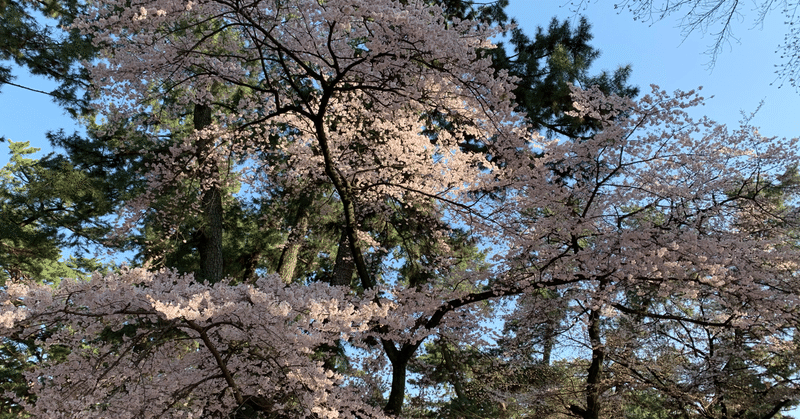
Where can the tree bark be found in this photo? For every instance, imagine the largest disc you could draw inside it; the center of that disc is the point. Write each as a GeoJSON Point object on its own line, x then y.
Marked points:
{"type": "Point", "coordinates": [595, 373]}
{"type": "Point", "coordinates": [288, 262]}
{"type": "Point", "coordinates": [344, 266]}
{"type": "Point", "coordinates": [210, 247]}
{"type": "Point", "coordinates": [548, 342]}
{"type": "Point", "coordinates": [399, 359]}
{"type": "Point", "coordinates": [209, 244]}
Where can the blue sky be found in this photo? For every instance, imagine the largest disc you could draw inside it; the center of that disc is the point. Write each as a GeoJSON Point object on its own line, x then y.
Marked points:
{"type": "Point", "coordinates": [27, 116]}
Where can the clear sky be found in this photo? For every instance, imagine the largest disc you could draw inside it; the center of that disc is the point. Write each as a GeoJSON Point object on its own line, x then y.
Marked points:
{"type": "Point", "coordinates": [27, 115]}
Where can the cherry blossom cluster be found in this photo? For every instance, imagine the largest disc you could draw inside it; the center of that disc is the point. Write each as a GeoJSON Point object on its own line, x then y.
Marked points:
{"type": "Point", "coordinates": [150, 345]}
{"type": "Point", "coordinates": [677, 233]}
{"type": "Point", "coordinates": [373, 91]}
{"type": "Point", "coordinates": [371, 104]}
{"type": "Point", "coordinates": [667, 240]}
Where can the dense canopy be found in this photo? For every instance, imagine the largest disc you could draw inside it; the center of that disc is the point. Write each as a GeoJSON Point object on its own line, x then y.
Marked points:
{"type": "Point", "coordinates": [359, 209]}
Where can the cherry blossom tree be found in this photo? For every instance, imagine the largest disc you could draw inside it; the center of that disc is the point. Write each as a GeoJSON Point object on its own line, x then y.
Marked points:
{"type": "Point", "coordinates": [360, 111]}
{"type": "Point", "coordinates": [656, 228]}
{"type": "Point", "coordinates": [332, 82]}
{"type": "Point", "coordinates": [162, 345]}
{"type": "Point", "coordinates": [672, 243]}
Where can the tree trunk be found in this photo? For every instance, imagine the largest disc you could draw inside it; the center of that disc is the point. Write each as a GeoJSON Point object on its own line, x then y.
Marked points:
{"type": "Point", "coordinates": [595, 372]}
{"type": "Point", "coordinates": [288, 262]}
{"type": "Point", "coordinates": [595, 369]}
{"type": "Point", "coordinates": [548, 342]}
{"type": "Point", "coordinates": [345, 266]}
{"type": "Point", "coordinates": [399, 359]}
{"type": "Point", "coordinates": [210, 236]}
{"type": "Point", "coordinates": [210, 246]}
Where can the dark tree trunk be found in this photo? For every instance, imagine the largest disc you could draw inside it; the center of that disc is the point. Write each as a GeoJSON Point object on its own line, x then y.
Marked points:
{"type": "Point", "coordinates": [595, 372]}
{"type": "Point", "coordinates": [595, 375]}
{"type": "Point", "coordinates": [288, 262]}
{"type": "Point", "coordinates": [210, 248]}
{"type": "Point", "coordinates": [209, 244]}
{"type": "Point", "coordinates": [344, 189]}
{"type": "Point", "coordinates": [345, 266]}
{"type": "Point", "coordinates": [548, 343]}
{"type": "Point", "coordinates": [399, 359]}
